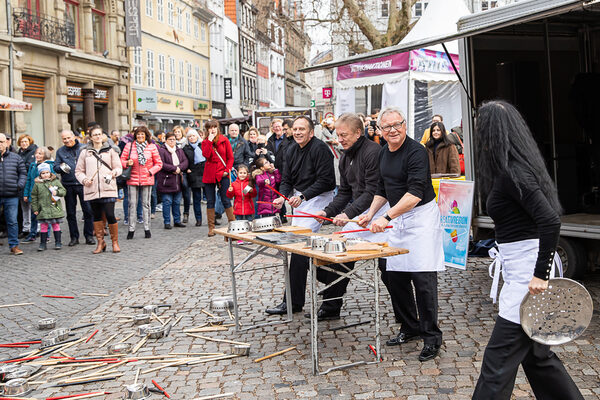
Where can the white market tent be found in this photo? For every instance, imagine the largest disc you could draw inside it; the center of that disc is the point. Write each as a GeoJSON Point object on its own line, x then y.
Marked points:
{"type": "Point", "coordinates": [420, 81]}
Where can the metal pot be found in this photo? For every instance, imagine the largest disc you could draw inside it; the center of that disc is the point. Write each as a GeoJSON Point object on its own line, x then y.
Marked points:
{"type": "Point", "coordinates": [149, 309]}
{"type": "Point", "coordinates": [216, 320]}
{"type": "Point", "coordinates": [241, 349]}
{"type": "Point", "coordinates": [119, 348]}
{"type": "Point", "coordinates": [335, 246]}
{"type": "Point", "coordinates": [143, 329]}
{"type": "Point", "coordinates": [318, 242]}
{"type": "Point", "coordinates": [61, 334]}
{"type": "Point", "coordinates": [156, 332]}
{"type": "Point", "coordinates": [17, 387]}
{"type": "Point", "coordinates": [141, 319]}
{"type": "Point", "coordinates": [221, 304]}
{"type": "Point", "coordinates": [137, 391]}
{"type": "Point", "coordinates": [49, 340]}
{"type": "Point", "coordinates": [24, 371]}
{"type": "Point", "coordinates": [247, 189]}
{"type": "Point", "coordinates": [47, 323]}
{"type": "Point", "coordinates": [239, 227]}
{"type": "Point", "coordinates": [266, 224]}
{"type": "Point", "coordinates": [7, 369]}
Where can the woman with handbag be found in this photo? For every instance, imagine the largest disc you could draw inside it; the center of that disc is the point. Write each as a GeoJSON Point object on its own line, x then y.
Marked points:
{"type": "Point", "coordinates": [170, 180]}
{"type": "Point", "coordinates": [141, 162]}
{"type": "Point", "coordinates": [97, 167]}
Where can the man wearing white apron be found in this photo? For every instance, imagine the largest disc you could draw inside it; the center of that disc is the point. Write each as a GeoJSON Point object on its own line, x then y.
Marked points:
{"type": "Point", "coordinates": [405, 183]}
{"type": "Point", "coordinates": [308, 180]}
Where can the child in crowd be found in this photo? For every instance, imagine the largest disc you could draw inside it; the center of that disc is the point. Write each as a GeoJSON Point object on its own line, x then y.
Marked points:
{"type": "Point", "coordinates": [266, 174]}
{"type": "Point", "coordinates": [45, 204]}
{"type": "Point", "coordinates": [242, 192]}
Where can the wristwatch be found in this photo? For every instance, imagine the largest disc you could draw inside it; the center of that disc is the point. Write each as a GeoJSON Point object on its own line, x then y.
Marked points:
{"type": "Point", "coordinates": [386, 216]}
{"type": "Point", "coordinates": [301, 197]}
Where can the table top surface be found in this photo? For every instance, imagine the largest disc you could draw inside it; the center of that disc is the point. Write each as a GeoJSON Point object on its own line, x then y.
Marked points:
{"type": "Point", "coordinates": [299, 248]}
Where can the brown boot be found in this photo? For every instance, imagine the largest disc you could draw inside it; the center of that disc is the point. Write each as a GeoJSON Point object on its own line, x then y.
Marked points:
{"type": "Point", "coordinates": [114, 237]}
{"type": "Point", "coordinates": [99, 232]}
{"type": "Point", "coordinates": [229, 213]}
{"type": "Point", "coordinates": [210, 216]}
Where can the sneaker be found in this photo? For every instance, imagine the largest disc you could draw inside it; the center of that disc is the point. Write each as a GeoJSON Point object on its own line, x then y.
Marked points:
{"type": "Point", "coordinates": [28, 240]}
{"type": "Point", "coordinates": [159, 207]}
{"type": "Point", "coordinates": [126, 222]}
{"type": "Point", "coordinates": [140, 220]}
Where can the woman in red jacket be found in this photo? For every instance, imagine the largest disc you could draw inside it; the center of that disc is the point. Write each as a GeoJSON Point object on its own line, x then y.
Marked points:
{"type": "Point", "coordinates": [242, 192]}
{"type": "Point", "coordinates": [219, 161]}
{"type": "Point", "coordinates": [142, 155]}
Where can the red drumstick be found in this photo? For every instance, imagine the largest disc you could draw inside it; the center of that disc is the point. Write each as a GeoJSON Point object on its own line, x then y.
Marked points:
{"type": "Point", "coordinates": [30, 342]}
{"type": "Point", "coordinates": [161, 389]}
{"type": "Point", "coordinates": [58, 297]}
{"type": "Point", "coordinates": [273, 189]}
{"type": "Point", "coordinates": [73, 395]}
{"type": "Point", "coordinates": [359, 230]}
{"type": "Point", "coordinates": [264, 202]}
{"type": "Point", "coordinates": [314, 216]}
{"type": "Point", "coordinates": [308, 216]}
{"type": "Point", "coordinates": [14, 345]}
{"type": "Point", "coordinates": [92, 335]}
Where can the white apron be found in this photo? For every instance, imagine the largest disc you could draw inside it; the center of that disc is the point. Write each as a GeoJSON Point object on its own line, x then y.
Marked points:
{"type": "Point", "coordinates": [366, 235]}
{"type": "Point", "coordinates": [516, 262]}
{"type": "Point", "coordinates": [311, 206]}
{"type": "Point", "coordinates": [419, 231]}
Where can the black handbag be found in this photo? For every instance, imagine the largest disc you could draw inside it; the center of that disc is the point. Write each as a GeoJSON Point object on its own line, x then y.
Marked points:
{"type": "Point", "coordinates": [126, 174]}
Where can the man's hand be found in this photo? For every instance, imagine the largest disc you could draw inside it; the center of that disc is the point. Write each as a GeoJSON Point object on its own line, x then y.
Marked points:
{"type": "Point", "coordinates": [340, 219]}
{"type": "Point", "coordinates": [278, 202]}
{"type": "Point", "coordinates": [295, 201]}
{"type": "Point", "coordinates": [379, 225]}
{"type": "Point", "coordinates": [364, 220]}
{"type": "Point", "coordinates": [320, 214]}
{"type": "Point", "coordinates": [177, 171]}
{"type": "Point", "coordinates": [25, 199]}
{"type": "Point", "coordinates": [537, 285]}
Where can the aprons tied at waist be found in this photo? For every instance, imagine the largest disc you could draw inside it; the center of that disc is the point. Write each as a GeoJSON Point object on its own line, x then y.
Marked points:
{"type": "Point", "coordinates": [312, 206]}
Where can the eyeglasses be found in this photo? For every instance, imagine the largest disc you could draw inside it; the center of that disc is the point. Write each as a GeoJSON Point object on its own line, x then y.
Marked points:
{"type": "Point", "coordinates": [396, 126]}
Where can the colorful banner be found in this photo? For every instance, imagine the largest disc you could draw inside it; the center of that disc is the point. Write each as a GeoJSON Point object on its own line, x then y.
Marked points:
{"type": "Point", "coordinates": [455, 202]}
{"type": "Point", "coordinates": [432, 61]}
{"type": "Point", "coordinates": [374, 67]}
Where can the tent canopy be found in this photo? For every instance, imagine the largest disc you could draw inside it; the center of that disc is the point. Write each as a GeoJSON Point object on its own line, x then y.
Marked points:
{"type": "Point", "coordinates": [10, 104]}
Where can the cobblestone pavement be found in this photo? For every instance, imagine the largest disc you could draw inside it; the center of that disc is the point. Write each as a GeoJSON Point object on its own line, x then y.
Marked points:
{"type": "Point", "coordinates": [193, 276]}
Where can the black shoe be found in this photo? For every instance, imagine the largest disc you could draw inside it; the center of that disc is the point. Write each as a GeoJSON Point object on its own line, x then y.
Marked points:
{"type": "Point", "coordinates": [147, 234]}
{"type": "Point", "coordinates": [401, 339]}
{"type": "Point", "coordinates": [168, 226]}
{"type": "Point", "coordinates": [429, 352]}
{"type": "Point", "coordinates": [198, 223]}
{"type": "Point", "coordinates": [179, 225]}
{"type": "Point", "coordinates": [89, 240]}
{"type": "Point", "coordinates": [323, 315]}
{"type": "Point", "coordinates": [130, 235]}
{"type": "Point", "coordinates": [73, 242]}
{"type": "Point", "coordinates": [23, 235]}
{"type": "Point", "coordinates": [282, 309]}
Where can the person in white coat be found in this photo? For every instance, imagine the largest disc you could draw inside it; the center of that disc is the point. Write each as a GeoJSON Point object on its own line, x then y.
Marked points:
{"type": "Point", "coordinates": [405, 183]}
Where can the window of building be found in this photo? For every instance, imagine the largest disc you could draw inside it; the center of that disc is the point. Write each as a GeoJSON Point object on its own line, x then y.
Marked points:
{"type": "Point", "coordinates": [150, 68]}
{"type": "Point", "coordinates": [486, 5]}
{"type": "Point", "coordinates": [197, 80]}
{"type": "Point", "coordinates": [98, 17]}
{"type": "Point", "coordinates": [203, 31]}
{"type": "Point", "coordinates": [160, 10]}
{"type": "Point", "coordinates": [204, 88]}
{"type": "Point", "coordinates": [189, 77]}
{"type": "Point", "coordinates": [162, 81]}
{"type": "Point", "coordinates": [170, 11]}
{"type": "Point", "coordinates": [188, 23]}
{"type": "Point", "coordinates": [196, 28]}
{"type": "Point", "coordinates": [420, 8]}
{"type": "Point", "coordinates": [385, 8]}
{"type": "Point", "coordinates": [137, 66]}
{"type": "Point", "coordinates": [181, 77]}
{"type": "Point", "coordinates": [149, 7]}
{"type": "Point", "coordinates": [172, 72]}
{"type": "Point", "coordinates": [72, 15]}
{"type": "Point", "coordinates": [179, 19]}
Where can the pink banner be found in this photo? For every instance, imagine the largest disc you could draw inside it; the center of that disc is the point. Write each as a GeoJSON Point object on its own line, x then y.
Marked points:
{"type": "Point", "coordinates": [374, 67]}
{"type": "Point", "coordinates": [432, 61]}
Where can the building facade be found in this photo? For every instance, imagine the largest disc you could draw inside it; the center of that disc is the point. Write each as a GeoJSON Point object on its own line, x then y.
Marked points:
{"type": "Point", "coordinates": [321, 84]}
{"type": "Point", "coordinates": [297, 50]}
{"type": "Point", "coordinates": [247, 13]}
{"type": "Point", "coordinates": [232, 74]}
{"type": "Point", "coordinates": [69, 60]}
{"type": "Point", "coordinates": [170, 71]}
{"type": "Point", "coordinates": [217, 55]}
{"type": "Point", "coordinates": [270, 65]}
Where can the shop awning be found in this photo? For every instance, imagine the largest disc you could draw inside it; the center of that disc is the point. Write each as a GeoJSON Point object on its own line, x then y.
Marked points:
{"type": "Point", "coordinates": [234, 111]}
{"type": "Point", "coordinates": [229, 121]}
{"type": "Point", "coordinates": [10, 104]}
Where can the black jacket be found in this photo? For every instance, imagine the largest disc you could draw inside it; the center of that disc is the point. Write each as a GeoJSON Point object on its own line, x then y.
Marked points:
{"type": "Point", "coordinates": [69, 156]}
{"type": "Point", "coordinates": [28, 155]}
{"type": "Point", "coordinates": [281, 151]}
{"type": "Point", "coordinates": [308, 170]}
{"type": "Point", "coordinates": [13, 175]}
{"type": "Point", "coordinates": [241, 153]}
{"type": "Point", "coordinates": [359, 176]}
{"type": "Point", "coordinates": [194, 178]}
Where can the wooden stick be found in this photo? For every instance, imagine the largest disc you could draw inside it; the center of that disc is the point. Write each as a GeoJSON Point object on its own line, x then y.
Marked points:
{"type": "Point", "coordinates": [103, 370]}
{"type": "Point", "coordinates": [87, 379]}
{"type": "Point", "coordinates": [127, 337]}
{"type": "Point", "coordinates": [15, 305]}
{"type": "Point", "coordinates": [158, 318]}
{"type": "Point", "coordinates": [137, 375]}
{"type": "Point", "coordinates": [275, 354]}
{"type": "Point", "coordinates": [87, 396]}
{"type": "Point", "coordinates": [230, 315]}
{"type": "Point", "coordinates": [198, 327]}
{"type": "Point", "coordinates": [197, 354]}
{"type": "Point", "coordinates": [218, 340]}
{"type": "Point", "coordinates": [170, 355]}
{"type": "Point", "coordinates": [74, 372]}
{"type": "Point", "coordinates": [177, 321]}
{"type": "Point", "coordinates": [95, 294]}
{"type": "Point", "coordinates": [167, 321]}
{"type": "Point", "coordinates": [216, 396]}
{"type": "Point", "coordinates": [219, 358]}
{"type": "Point", "coordinates": [207, 313]}
{"type": "Point", "coordinates": [184, 358]}
{"type": "Point", "coordinates": [173, 364]}
{"type": "Point", "coordinates": [139, 345]}
{"type": "Point", "coordinates": [72, 343]}
{"type": "Point", "coordinates": [215, 328]}
{"type": "Point", "coordinates": [108, 340]}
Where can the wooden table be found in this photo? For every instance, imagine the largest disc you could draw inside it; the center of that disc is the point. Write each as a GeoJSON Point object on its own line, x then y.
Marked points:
{"type": "Point", "coordinates": [316, 259]}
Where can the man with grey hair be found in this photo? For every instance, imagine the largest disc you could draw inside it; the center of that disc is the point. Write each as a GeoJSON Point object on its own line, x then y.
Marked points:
{"type": "Point", "coordinates": [13, 175]}
{"type": "Point", "coordinates": [64, 165]}
{"type": "Point", "coordinates": [239, 146]}
{"type": "Point", "coordinates": [405, 183]}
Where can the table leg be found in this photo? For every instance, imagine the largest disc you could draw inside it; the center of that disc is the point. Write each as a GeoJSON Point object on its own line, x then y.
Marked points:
{"type": "Point", "coordinates": [377, 315]}
{"type": "Point", "coordinates": [233, 284]}
{"type": "Point", "coordinates": [288, 291]}
{"type": "Point", "coordinates": [313, 317]}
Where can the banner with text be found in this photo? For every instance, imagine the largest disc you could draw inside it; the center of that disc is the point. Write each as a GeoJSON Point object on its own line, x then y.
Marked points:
{"type": "Point", "coordinates": [455, 202]}
{"type": "Point", "coordinates": [133, 31]}
{"type": "Point", "coordinates": [374, 67]}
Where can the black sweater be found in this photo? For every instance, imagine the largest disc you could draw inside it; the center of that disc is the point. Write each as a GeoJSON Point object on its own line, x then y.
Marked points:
{"type": "Point", "coordinates": [308, 170]}
{"type": "Point", "coordinates": [405, 170]}
{"type": "Point", "coordinates": [359, 176]}
{"type": "Point", "coordinates": [525, 216]}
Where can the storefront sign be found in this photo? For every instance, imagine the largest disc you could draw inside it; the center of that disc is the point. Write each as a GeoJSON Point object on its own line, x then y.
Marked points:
{"type": "Point", "coordinates": [74, 93]}
{"type": "Point", "coordinates": [228, 88]}
{"type": "Point", "coordinates": [217, 113]}
{"type": "Point", "coordinates": [345, 101]}
{"type": "Point", "coordinates": [327, 92]}
{"type": "Point", "coordinates": [455, 202]}
{"type": "Point", "coordinates": [133, 33]}
{"type": "Point", "coordinates": [432, 61]}
{"type": "Point", "coordinates": [377, 66]}
{"type": "Point", "coordinates": [145, 100]}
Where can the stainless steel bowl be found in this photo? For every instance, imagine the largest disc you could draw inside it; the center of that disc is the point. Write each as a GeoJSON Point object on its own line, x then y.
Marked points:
{"type": "Point", "coordinates": [239, 227]}
{"type": "Point", "coordinates": [335, 246]}
{"type": "Point", "coordinates": [266, 224]}
{"type": "Point", "coordinates": [221, 304]}
{"type": "Point", "coordinates": [143, 329]}
{"type": "Point", "coordinates": [119, 348]}
{"type": "Point", "coordinates": [318, 242]}
{"type": "Point", "coordinates": [60, 333]}
{"type": "Point", "coordinates": [24, 371]}
{"type": "Point", "coordinates": [49, 340]}
{"type": "Point", "coordinates": [149, 309]}
{"type": "Point", "coordinates": [156, 332]}
{"type": "Point", "coordinates": [137, 391]}
{"type": "Point", "coordinates": [47, 323]}
{"type": "Point", "coordinates": [241, 349]}
{"type": "Point", "coordinates": [216, 320]}
{"type": "Point", "coordinates": [141, 319]}
{"type": "Point", "coordinates": [247, 189]}
{"type": "Point", "coordinates": [17, 387]}
{"type": "Point", "coordinates": [7, 369]}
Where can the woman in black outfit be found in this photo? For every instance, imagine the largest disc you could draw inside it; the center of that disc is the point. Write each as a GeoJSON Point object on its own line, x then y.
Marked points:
{"type": "Point", "coordinates": [523, 203]}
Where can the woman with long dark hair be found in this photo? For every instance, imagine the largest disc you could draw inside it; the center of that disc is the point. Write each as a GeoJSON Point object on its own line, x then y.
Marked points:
{"type": "Point", "coordinates": [196, 161]}
{"type": "Point", "coordinates": [443, 155]}
{"type": "Point", "coordinates": [523, 202]}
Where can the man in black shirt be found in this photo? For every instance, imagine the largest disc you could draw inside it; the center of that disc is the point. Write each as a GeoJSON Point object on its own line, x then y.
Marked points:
{"type": "Point", "coordinates": [308, 180]}
{"type": "Point", "coordinates": [405, 183]}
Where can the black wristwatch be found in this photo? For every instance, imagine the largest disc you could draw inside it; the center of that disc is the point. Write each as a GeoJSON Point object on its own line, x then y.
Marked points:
{"type": "Point", "coordinates": [386, 216]}
{"type": "Point", "coordinates": [301, 197]}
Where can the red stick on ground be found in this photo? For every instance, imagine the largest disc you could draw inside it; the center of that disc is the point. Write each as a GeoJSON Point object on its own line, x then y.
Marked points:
{"type": "Point", "coordinates": [161, 389]}
{"type": "Point", "coordinates": [92, 335]}
{"type": "Point", "coordinates": [58, 297]}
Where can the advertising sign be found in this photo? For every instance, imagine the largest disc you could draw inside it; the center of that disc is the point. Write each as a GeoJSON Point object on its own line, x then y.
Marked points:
{"type": "Point", "coordinates": [228, 88]}
{"type": "Point", "coordinates": [145, 100]}
{"type": "Point", "coordinates": [327, 92]}
{"type": "Point", "coordinates": [455, 202]}
{"type": "Point", "coordinates": [374, 67]}
{"type": "Point", "coordinates": [432, 61]}
{"type": "Point", "coordinates": [133, 31]}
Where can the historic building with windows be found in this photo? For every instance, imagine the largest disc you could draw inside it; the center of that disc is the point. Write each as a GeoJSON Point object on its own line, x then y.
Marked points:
{"type": "Point", "coordinates": [68, 59]}
{"type": "Point", "coordinates": [170, 71]}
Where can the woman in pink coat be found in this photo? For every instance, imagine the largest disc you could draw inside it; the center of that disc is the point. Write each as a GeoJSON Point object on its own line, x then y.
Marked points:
{"type": "Point", "coordinates": [142, 155]}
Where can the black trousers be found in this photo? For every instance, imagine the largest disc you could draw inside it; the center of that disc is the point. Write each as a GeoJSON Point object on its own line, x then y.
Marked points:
{"type": "Point", "coordinates": [508, 347]}
{"type": "Point", "coordinates": [425, 291]}
{"type": "Point", "coordinates": [74, 192]}
{"type": "Point", "coordinates": [102, 208]}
